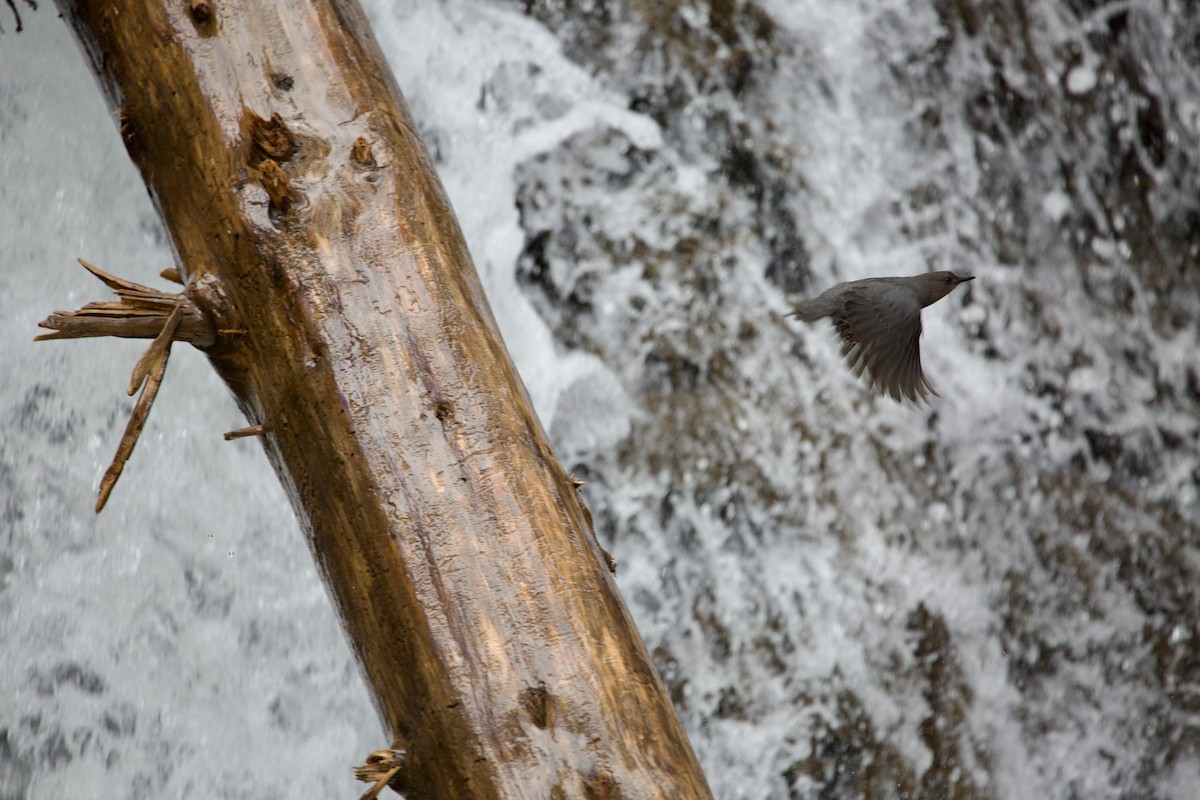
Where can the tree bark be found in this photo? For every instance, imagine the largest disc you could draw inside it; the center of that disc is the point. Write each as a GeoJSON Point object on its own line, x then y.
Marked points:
{"type": "Point", "coordinates": [351, 326]}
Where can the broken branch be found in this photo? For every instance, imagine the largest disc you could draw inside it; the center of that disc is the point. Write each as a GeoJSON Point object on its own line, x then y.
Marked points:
{"type": "Point", "coordinates": [242, 433]}
{"type": "Point", "coordinates": [140, 313]}
{"type": "Point", "coordinates": [380, 767]}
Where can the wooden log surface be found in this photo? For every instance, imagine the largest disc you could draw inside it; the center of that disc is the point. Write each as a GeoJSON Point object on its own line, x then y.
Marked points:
{"type": "Point", "coordinates": [354, 330]}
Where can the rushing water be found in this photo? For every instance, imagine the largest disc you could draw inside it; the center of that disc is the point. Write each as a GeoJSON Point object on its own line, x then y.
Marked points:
{"type": "Point", "coordinates": [995, 597]}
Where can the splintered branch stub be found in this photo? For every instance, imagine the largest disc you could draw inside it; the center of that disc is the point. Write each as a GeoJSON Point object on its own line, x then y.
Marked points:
{"type": "Point", "coordinates": [140, 313]}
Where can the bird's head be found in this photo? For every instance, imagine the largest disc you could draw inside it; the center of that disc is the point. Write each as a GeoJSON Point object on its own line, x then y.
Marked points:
{"type": "Point", "coordinates": [933, 286]}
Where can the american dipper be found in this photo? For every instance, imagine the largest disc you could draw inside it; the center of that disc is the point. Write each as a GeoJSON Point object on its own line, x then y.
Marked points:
{"type": "Point", "coordinates": [879, 322]}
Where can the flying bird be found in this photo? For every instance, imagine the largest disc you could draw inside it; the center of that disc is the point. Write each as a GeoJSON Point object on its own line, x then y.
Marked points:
{"type": "Point", "coordinates": [879, 322]}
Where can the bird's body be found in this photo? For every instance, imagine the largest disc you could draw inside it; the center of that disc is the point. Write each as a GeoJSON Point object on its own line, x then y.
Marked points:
{"type": "Point", "coordinates": [879, 322]}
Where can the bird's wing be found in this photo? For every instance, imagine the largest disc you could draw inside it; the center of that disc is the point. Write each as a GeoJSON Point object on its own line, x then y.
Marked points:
{"type": "Point", "coordinates": [881, 336]}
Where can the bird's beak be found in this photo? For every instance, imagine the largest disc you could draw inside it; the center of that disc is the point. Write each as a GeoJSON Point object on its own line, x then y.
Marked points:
{"type": "Point", "coordinates": [968, 278]}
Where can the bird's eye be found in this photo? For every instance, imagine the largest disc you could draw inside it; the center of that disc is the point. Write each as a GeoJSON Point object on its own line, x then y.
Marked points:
{"type": "Point", "coordinates": [949, 279]}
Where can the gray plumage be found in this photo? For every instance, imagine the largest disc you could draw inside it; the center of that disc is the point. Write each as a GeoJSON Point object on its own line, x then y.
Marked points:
{"type": "Point", "coordinates": [879, 322]}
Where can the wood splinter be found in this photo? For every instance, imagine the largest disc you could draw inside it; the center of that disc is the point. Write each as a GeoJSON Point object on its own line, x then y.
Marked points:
{"type": "Point", "coordinates": [242, 433]}
{"type": "Point", "coordinates": [147, 375]}
{"type": "Point", "coordinates": [381, 766]}
{"type": "Point", "coordinates": [141, 313]}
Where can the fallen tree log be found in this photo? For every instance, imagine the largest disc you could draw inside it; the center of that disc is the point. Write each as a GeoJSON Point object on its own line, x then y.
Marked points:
{"type": "Point", "coordinates": [328, 283]}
